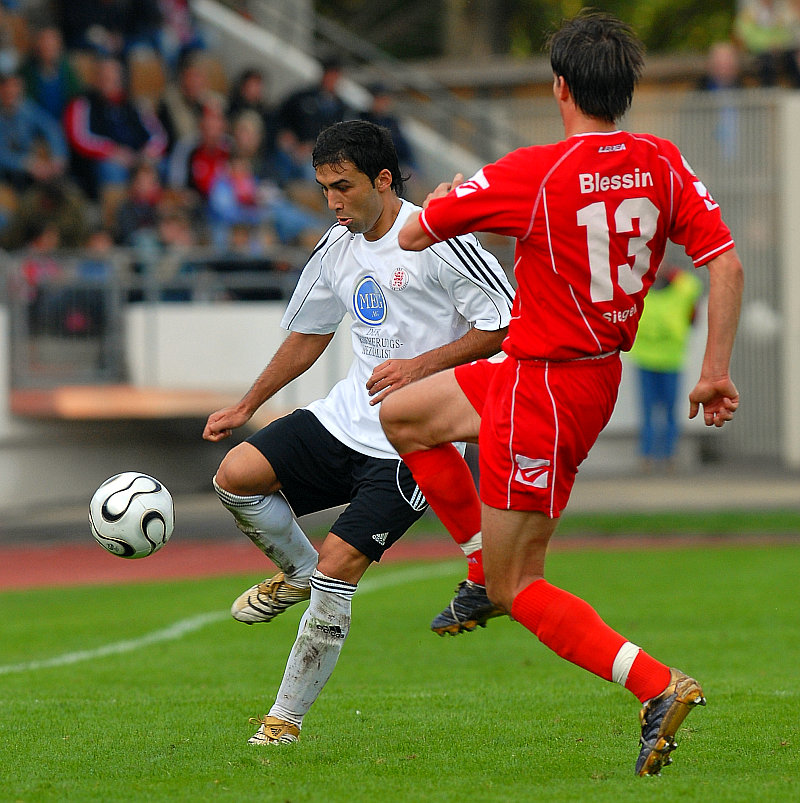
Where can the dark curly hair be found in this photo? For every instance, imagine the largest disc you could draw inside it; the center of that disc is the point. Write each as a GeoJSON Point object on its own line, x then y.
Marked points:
{"type": "Point", "coordinates": [601, 59]}
{"type": "Point", "coordinates": [366, 145]}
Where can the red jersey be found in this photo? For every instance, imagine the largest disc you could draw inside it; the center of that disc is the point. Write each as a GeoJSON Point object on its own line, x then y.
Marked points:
{"type": "Point", "coordinates": [592, 215]}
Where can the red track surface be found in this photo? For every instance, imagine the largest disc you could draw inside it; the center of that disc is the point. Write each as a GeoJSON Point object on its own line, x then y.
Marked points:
{"type": "Point", "coordinates": [62, 565]}
{"type": "Point", "coordinates": [86, 564]}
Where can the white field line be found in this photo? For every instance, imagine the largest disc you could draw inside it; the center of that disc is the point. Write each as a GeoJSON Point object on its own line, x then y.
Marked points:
{"type": "Point", "coordinates": [185, 626]}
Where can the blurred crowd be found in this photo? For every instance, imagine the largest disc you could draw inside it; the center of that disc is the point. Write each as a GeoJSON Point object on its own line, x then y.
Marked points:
{"type": "Point", "coordinates": [119, 126]}
{"type": "Point", "coordinates": [763, 49]}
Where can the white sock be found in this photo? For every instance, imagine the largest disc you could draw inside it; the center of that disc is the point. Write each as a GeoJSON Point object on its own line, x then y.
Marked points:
{"type": "Point", "coordinates": [623, 662]}
{"type": "Point", "coordinates": [473, 545]}
{"type": "Point", "coordinates": [269, 523]}
{"type": "Point", "coordinates": [323, 629]}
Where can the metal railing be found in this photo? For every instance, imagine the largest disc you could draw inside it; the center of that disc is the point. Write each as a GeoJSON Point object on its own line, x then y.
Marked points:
{"type": "Point", "coordinates": [67, 309]}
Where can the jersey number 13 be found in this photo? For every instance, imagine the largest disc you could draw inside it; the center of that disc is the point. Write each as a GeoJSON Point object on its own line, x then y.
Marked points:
{"type": "Point", "coordinates": [595, 219]}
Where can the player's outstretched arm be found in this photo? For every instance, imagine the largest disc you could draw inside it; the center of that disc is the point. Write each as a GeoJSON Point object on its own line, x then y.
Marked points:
{"type": "Point", "coordinates": [294, 356]}
{"type": "Point", "coordinates": [714, 390]}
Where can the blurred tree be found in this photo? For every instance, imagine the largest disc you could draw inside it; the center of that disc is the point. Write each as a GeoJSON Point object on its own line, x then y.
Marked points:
{"type": "Point", "coordinates": [428, 28]}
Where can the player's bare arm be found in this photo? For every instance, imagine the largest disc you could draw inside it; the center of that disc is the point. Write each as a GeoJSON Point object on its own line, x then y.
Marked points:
{"type": "Point", "coordinates": [294, 356]}
{"type": "Point", "coordinates": [715, 390]}
{"type": "Point", "coordinates": [394, 374]}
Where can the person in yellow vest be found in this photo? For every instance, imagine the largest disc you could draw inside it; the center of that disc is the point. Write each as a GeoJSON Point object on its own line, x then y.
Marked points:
{"type": "Point", "coordinates": [659, 352]}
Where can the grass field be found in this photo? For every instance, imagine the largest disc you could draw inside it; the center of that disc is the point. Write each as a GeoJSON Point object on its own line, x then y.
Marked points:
{"type": "Point", "coordinates": [143, 692]}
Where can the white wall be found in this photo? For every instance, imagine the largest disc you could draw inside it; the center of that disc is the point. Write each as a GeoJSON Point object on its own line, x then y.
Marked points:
{"type": "Point", "coordinates": [221, 347]}
{"type": "Point", "coordinates": [790, 251]}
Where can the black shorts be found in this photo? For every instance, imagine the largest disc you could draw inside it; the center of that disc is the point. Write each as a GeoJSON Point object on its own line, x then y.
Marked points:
{"type": "Point", "coordinates": [317, 471]}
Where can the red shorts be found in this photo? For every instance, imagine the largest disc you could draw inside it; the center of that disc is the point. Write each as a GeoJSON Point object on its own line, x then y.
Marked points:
{"type": "Point", "coordinates": [539, 419]}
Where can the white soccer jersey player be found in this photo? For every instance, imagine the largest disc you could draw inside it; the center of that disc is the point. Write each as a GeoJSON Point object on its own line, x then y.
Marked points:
{"type": "Point", "coordinates": [403, 304]}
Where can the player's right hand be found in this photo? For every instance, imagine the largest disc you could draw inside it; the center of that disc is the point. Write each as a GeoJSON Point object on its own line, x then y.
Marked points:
{"type": "Point", "coordinates": [719, 399]}
{"type": "Point", "coordinates": [220, 425]}
{"type": "Point", "coordinates": [443, 188]}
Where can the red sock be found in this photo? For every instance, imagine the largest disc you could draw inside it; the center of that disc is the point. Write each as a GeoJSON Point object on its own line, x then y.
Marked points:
{"type": "Point", "coordinates": [648, 677]}
{"type": "Point", "coordinates": [573, 629]}
{"type": "Point", "coordinates": [444, 477]}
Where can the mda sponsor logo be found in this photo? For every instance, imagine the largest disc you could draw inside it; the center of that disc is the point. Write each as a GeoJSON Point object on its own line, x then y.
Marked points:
{"type": "Point", "coordinates": [369, 302]}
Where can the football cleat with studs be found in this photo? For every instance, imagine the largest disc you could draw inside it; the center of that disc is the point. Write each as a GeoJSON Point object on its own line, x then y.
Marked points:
{"type": "Point", "coordinates": [273, 731]}
{"type": "Point", "coordinates": [469, 608]}
{"type": "Point", "coordinates": [660, 719]}
{"type": "Point", "coordinates": [265, 600]}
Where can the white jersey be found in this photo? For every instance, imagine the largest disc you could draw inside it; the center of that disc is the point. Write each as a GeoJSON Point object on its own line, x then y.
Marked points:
{"type": "Point", "coordinates": [402, 303]}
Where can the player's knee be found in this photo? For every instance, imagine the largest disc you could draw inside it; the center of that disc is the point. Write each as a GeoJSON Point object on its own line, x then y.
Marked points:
{"type": "Point", "coordinates": [244, 471]}
{"type": "Point", "coordinates": [389, 417]}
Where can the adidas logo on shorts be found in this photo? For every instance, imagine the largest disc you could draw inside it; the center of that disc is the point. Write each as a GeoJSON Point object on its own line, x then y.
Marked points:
{"type": "Point", "coordinates": [380, 538]}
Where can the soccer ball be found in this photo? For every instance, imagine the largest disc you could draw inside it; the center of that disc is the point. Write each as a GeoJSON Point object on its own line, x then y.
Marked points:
{"type": "Point", "coordinates": [131, 515]}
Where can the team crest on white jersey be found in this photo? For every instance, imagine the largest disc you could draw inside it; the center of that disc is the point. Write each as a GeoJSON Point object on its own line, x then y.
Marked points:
{"type": "Point", "coordinates": [399, 280]}
{"type": "Point", "coordinates": [533, 471]}
{"type": "Point", "coordinates": [369, 302]}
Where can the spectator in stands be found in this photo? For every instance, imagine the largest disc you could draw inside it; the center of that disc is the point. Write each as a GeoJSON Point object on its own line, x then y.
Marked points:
{"type": "Point", "coordinates": [109, 134]}
{"type": "Point", "coordinates": [81, 305]}
{"type": "Point", "coordinates": [234, 203]}
{"type": "Point", "coordinates": [294, 222]}
{"type": "Point", "coordinates": [238, 201]}
{"type": "Point", "coordinates": [13, 35]}
{"type": "Point", "coordinates": [32, 146]}
{"type": "Point", "coordinates": [306, 112]}
{"type": "Point", "coordinates": [177, 241]}
{"type": "Point", "coordinates": [138, 214]}
{"type": "Point", "coordinates": [248, 93]}
{"type": "Point", "coordinates": [381, 112]}
{"type": "Point", "coordinates": [196, 159]}
{"type": "Point", "coordinates": [41, 273]}
{"type": "Point", "coordinates": [768, 29]}
{"type": "Point", "coordinates": [723, 68]}
{"type": "Point", "coordinates": [49, 78]}
{"type": "Point", "coordinates": [248, 139]}
{"type": "Point", "coordinates": [182, 103]}
{"type": "Point", "coordinates": [659, 353]}
{"type": "Point", "coordinates": [109, 27]}
{"type": "Point", "coordinates": [724, 74]}
{"type": "Point", "coordinates": [58, 203]}
{"type": "Point", "coordinates": [179, 33]}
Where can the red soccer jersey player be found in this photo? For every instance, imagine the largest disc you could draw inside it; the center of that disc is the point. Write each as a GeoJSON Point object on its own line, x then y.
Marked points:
{"type": "Point", "coordinates": [592, 215]}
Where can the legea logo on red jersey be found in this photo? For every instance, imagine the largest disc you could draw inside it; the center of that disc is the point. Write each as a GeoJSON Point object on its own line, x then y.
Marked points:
{"type": "Point", "coordinates": [477, 182]}
{"type": "Point", "coordinates": [533, 471]}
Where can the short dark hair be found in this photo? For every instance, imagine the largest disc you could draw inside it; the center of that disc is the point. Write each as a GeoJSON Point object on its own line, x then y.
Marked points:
{"type": "Point", "coordinates": [601, 59]}
{"type": "Point", "coordinates": [366, 145]}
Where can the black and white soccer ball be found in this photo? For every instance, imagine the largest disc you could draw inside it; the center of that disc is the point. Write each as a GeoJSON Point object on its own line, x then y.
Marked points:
{"type": "Point", "coordinates": [131, 515]}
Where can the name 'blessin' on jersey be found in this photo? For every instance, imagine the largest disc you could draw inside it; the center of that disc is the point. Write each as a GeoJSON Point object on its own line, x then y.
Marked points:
{"type": "Point", "coordinates": [594, 182]}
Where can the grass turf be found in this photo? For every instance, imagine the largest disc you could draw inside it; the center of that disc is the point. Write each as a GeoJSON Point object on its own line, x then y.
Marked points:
{"type": "Point", "coordinates": [487, 716]}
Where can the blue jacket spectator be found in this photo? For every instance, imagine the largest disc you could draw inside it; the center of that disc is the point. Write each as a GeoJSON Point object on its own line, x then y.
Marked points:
{"type": "Point", "coordinates": [50, 80]}
{"type": "Point", "coordinates": [32, 146]}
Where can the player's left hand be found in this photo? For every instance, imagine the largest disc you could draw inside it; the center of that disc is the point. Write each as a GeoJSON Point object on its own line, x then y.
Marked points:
{"type": "Point", "coordinates": [719, 398]}
{"type": "Point", "coordinates": [391, 375]}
